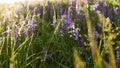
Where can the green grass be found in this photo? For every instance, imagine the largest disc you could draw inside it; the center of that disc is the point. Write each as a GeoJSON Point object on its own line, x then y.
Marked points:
{"type": "Point", "coordinates": [46, 48]}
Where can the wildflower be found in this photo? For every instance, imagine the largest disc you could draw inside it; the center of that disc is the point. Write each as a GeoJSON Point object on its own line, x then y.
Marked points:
{"type": "Point", "coordinates": [104, 11]}
{"type": "Point", "coordinates": [82, 42]}
{"type": "Point", "coordinates": [29, 27]}
{"type": "Point", "coordinates": [60, 11]}
{"type": "Point", "coordinates": [115, 9]}
{"type": "Point", "coordinates": [16, 35]}
{"type": "Point", "coordinates": [39, 10]}
{"type": "Point", "coordinates": [67, 22]}
{"type": "Point", "coordinates": [96, 34]}
{"type": "Point", "coordinates": [16, 31]}
{"type": "Point", "coordinates": [109, 13]}
{"type": "Point", "coordinates": [100, 5]}
{"type": "Point", "coordinates": [77, 7]}
{"type": "Point", "coordinates": [116, 12]}
{"type": "Point", "coordinates": [25, 31]}
{"type": "Point", "coordinates": [31, 24]}
{"type": "Point", "coordinates": [118, 57]}
{"type": "Point", "coordinates": [69, 14]}
{"type": "Point", "coordinates": [77, 33]}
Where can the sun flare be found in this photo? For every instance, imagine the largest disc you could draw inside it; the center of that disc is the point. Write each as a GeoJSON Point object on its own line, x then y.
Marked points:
{"type": "Point", "coordinates": [13, 1]}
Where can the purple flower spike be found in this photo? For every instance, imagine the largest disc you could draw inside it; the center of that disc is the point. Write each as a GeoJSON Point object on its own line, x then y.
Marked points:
{"type": "Point", "coordinates": [69, 14]}
{"type": "Point", "coordinates": [77, 7]}
{"type": "Point", "coordinates": [16, 35]}
{"type": "Point", "coordinates": [115, 9]}
{"type": "Point", "coordinates": [26, 30]}
{"type": "Point", "coordinates": [71, 25]}
{"type": "Point", "coordinates": [39, 10]}
{"type": "Point", "coordinates": [32, 25]}
{"type": "Point", "coordinates": [104, 11]}
{"type": "Point", "coordinates": [16, 31]}
{"type": "Point", "coordinates": [77, 33]}
{"type": "Point", "coordinates": [118, 57]}
{"type": "Point", "coordinates": [82, 41]}
{"type": "Point", "coordinates": [109, 13]}
{"type": "Point", "coordinates": [61, 11]}
{"type": "Point", "coordinates": [29, 27]}
{"type": "Point", "coordinates": [68, 23]}
{"type": "Point", "coordinates": [96, 34]}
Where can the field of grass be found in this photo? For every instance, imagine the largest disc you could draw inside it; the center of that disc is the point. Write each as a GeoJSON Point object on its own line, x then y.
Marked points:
{"type": "Point", "coordinates": [60, 34]}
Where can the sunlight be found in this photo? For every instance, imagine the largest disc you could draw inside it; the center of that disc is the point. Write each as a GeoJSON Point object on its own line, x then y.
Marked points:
{"type": "Point", "coordinates": [13, 1]}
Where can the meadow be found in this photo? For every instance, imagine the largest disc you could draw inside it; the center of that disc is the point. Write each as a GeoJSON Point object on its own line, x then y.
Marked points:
{"type": "Point", "coordinates": [60, 34]}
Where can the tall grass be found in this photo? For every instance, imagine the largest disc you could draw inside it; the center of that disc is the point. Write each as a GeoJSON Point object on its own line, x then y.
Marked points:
{"type": "Point", "coordinates": [59, 35]}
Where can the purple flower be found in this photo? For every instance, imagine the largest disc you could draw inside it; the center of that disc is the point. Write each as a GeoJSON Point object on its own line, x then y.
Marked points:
{"type": "Point", "coordinates": [115, 9]}
{"type": "Point", "coordinates": [118, 57]}
{"type": "Point", "coordinates": [61, 11]}
{"type": "Point", "coordinates": [67, 22]}
{"type": "Point", "coordinates": [25, 31]}
{"type": "Point", "coordinates": [77, 33]}
{"type": "Point", "coordinates": [16, 35]}
{"type": "Point", "coordinates": [100, 5]}
{"type": "Point", "coordinates": [31, 24]}
{"type": "Point", "coordinates": [71, 25]}
{"type": "Point", "coordinates": [39, 10]}
{"type": "Point", "coordinates": [69, 14]}
{"type": "Point", "coordinates": [78, 7]}
{"type": "Point", "coordinates": [109, 13]}
{"type": "Point", "coordinates": [16, 31]}
{"type": "Point", "coordinates": [104, 11]}
{"type": "Point", "coordinates": [96, 34]}
{"type": "Point", "coordinates": [46, 54]}
{"type": "Point", "coordinates": [82, 42]}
